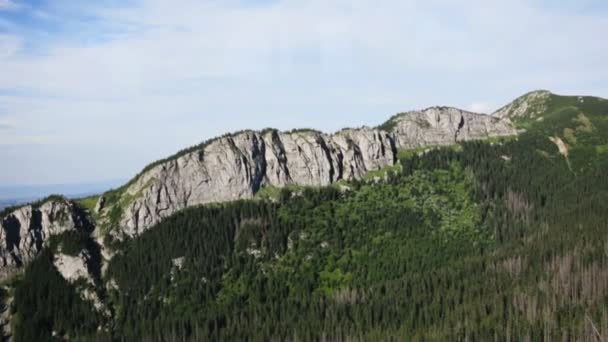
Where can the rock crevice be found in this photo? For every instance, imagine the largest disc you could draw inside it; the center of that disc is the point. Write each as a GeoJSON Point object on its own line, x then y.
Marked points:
{"type": "Point", "coordinates": [25, 231]}
{"type": "Point", "coordinates": [237, 166]}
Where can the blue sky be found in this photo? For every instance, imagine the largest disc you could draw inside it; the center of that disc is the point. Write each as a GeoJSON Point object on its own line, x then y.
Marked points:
{"type": "Point", "coordinates": [93, 91]}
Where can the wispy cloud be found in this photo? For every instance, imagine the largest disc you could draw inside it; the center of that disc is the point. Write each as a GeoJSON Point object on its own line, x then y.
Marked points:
{"type": "Point", "coordinates": [131, 75]}
{"type": "Point", "coordinates": [6, 5]}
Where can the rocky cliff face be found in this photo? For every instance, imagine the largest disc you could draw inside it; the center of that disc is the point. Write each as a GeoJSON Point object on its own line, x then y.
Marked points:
{"type": "Point", "coordinates": [25, 231]}
{"type": "Point", "coordinates": [530, 105]}
{"type": "Point", "coordinates": [77, 269]}
{"type": "Point", "coordinates": [446, 126]}
{"type": "Point", "coordinates": [236, 166]}
{"type": "Point", "coordinates": [5, 315]}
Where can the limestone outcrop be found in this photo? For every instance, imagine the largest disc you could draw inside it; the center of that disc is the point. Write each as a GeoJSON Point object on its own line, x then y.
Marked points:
{"type": "Point", "coordinates": [26, 230]}
{"type": "Point", "coordinates": [531, 105]}
{"type": "Point", "coordinates": [445, 126]}
{"type": "Point", "coordinates": [236, 166]}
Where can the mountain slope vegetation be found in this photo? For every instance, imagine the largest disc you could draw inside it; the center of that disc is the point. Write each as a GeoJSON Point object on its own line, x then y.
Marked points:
{"type": "Point", "coordinates": [505, 239]}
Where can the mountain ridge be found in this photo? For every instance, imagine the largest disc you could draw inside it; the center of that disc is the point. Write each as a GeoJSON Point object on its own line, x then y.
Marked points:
{"type": "Point", "coordinates": [401, 206]}
{"type": "Point", "coordinates": [254, 159]}
{"type": "Point", "coordinates": [243, 162]}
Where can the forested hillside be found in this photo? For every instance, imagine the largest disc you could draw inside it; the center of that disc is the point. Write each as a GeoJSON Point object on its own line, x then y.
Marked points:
{"type": "Point", "coordinates": [504, 239]}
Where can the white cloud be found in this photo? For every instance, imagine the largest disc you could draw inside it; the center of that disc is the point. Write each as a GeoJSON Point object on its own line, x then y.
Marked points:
{"type": "Point", "coordinates": [201, 40]}
{"type": "Point", "coordinates": [6, 5]}
{"type": "Point", "coordinates": [198, 40]}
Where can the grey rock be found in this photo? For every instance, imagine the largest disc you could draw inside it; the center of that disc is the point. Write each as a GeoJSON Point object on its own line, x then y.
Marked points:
{"type": "Point", "coordinates": [446, 126]}
{"type": "Point", "coordinates": [75, 268]}
{"type": "Point", "coordinates": [365, 150]}
{"type": "Point", "coordinates": [531, 105]}
{"type": "Point", "coordinates": [100, 204]}
{"type": "Point", "coordinates": [236, 166]}
{"type": "Point", "coordinates": [229, 168]}
{"type": "Point", "coordinates": [25, 231]}
{"type": "Point", "coordinates": [6, 317]}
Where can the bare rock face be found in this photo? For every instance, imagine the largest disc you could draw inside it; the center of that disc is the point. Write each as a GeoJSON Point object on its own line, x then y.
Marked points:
{"type": "Point", "coordinates": [100, 203]}
{"type": "Point", "coordinates": [6, 317]}
{"type": "Point", "coordinates": [237, 166]}
{"type": "Point", "coordinates": [77, 267]}
{"type": "Point", "coordinates": [232, 167]}
{"type": "Point", "coordinates": [25, 231]}
{"type": "Point", "coordinates": [365, 149]}
{"type": "Point", "coordinates": [73, 267]}
{"type": "Point", "coordinates": [445, 126]}
{"type": "Point", "coordinates": [310, 159]}
{"type": "Point", "coordinates": [530, 105]}
{"type": "Point", "coordinates": [229, 168]}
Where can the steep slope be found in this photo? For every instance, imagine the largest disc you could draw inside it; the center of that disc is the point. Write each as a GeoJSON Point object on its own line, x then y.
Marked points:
{"type": "Point", "coordinates": [576, 126]}
{"type": "Point", "coordinates": [237, 166]}
{"type": "Point", "coordinates": [444, 126]}
{"type": "Point", "coordinates": [496, 241]}
{"type": "Point", "coordinates": [488, 241]}
{"type": "Point", "coordinates": [529, 105]}
{"type": "Point", "coordinates": [232, 167]}
{"type": "Point", "coordinates": [25, 231]}
{"type": "Point", "coordinates": [60, 230]}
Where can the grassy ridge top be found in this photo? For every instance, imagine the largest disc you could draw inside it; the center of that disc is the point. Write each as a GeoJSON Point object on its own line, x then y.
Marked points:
{"type": "Point", "coordinates": [576, 124]}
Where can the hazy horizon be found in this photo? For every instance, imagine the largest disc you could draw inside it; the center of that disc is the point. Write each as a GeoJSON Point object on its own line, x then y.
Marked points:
{"type": "Point", "coordinates": [28, 192]}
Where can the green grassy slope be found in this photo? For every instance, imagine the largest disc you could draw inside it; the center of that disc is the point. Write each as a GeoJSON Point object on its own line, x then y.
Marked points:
{"type": "Point", "coordinates": [504, 240]}
{"type": "Point", "coordinates": [580, 122]}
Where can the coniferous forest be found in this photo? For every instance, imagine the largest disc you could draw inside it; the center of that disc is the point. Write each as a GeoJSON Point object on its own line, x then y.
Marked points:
{"type": "Point", "coordinates": [498, 240]}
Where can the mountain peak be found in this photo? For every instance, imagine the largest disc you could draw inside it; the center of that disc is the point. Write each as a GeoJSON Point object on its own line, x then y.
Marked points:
{"type": "Point", "coordinates": [237, 166]}
{"type": "Point", "coordinates": [530, 104]}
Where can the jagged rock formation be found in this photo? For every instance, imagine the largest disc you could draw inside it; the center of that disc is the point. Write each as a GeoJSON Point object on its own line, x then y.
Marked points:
{"type": "Point", "coordinates": [79, 267]}
{"type": "Point", "coordinates": [6, 317]}
{"type": "Point", "coordinates": [530, 105]}
{"type": "Point", "coordinates": [445, 126]}
{"type": "Point", "coordinates": [73, 267]}
{"type": "Point", "coordinates": [236, 166]}
{"type": "Point", "coordinates": [24, 231]}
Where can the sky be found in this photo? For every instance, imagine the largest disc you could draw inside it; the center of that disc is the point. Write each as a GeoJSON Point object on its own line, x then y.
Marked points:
{"type": "Point", "coordinates": [92, 91]}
